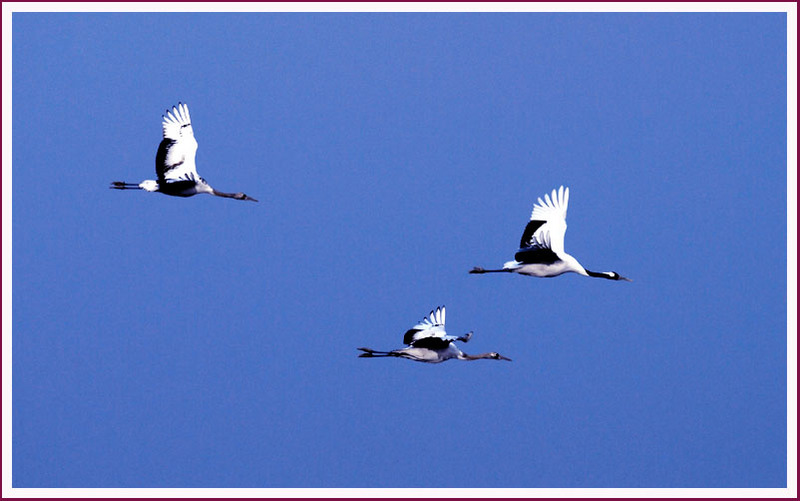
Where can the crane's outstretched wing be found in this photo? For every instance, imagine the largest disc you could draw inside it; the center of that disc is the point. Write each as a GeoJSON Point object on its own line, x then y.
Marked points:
{"type": "Point", "coordinates": [433, 327]}
{"type": "Point", "coordinates": [545, 230]}
{"type": "Point", "coordinates": [175, 157]}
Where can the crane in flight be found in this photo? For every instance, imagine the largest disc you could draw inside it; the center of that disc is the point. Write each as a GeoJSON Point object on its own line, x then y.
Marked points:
{"type": "Point", "coordinates": [428, 342]}
{"type": "Point", "coordinates": [175, 167]}
{"type": "Point", "coordinates": [541, 252]}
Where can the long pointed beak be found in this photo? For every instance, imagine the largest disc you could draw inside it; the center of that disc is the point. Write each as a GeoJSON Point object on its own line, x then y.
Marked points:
{"type": "Point", "coordinates": [501, 357]}
{"type": "Point", "coordinates": [626, 279]}
{"type": "Point", "coordinates": [250, 198]}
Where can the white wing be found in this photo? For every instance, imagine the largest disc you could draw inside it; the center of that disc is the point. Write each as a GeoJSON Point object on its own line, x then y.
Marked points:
{"type": "Point", "coordinates": [433, 327]}
{"type": "Point", "coordinates": [548, 222]}
{"type": "Point", "coordinates": [175, 157]}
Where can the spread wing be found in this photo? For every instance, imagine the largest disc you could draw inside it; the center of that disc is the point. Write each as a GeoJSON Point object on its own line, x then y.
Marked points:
{"type": "Point", "coordinates": [175, 157]}
{"type": "Point", "coordinates": [433, 327]}
{"type": "Point", "coordinates": [545, 230]}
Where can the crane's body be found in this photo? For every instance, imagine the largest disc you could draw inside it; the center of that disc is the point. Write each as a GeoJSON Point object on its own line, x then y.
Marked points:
{"type": "Point", "coordinates": [433, 353]}
{"type": "Point", "coordinates": [428, 342]}
{"type": "Point", "coordinates": [558, 266]}
{"type": "Point", "coordinates": [541, 252]}
{"type": "Point", "coordinates": [175, 165]}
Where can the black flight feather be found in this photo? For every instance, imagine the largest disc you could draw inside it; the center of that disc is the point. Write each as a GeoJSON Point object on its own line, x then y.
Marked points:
{"type": "Point", "coordinates": [532, 255]}
{"type": "Point", "coordinates": [530, 229]}
{"type": "Point", "coordinates": [409, 335]}
{"type": "Point", "coordinates": [431, 343]}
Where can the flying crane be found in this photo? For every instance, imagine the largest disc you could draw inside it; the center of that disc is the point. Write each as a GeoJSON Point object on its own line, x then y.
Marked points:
{"type": "Point", "coordinates": [541, 252]}
{"type": "Point", "coordinates": [428, 342]}
{"type": "Point", "coordinates": [175, 167]}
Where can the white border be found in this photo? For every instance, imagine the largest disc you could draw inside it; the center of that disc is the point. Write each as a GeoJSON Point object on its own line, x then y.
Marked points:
{"type": "Point", "coordinates": [789, 7]}
{"type": "Point", "coordinates": [791, 249]}
{"type": "Point", "coordinates": [6, 193]}
{"type": "Point", "coordinates": [791, 198]}
{"type": "Point", "coordinates": [401, 493]}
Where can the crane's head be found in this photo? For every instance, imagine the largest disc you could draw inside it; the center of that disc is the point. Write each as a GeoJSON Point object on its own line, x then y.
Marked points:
{"type": "Point", "coordinates": [242, 196]}
{"type": "Point", "coordinates": [496, 356]}
{"type": "Point", "coordinates": [613, 275]}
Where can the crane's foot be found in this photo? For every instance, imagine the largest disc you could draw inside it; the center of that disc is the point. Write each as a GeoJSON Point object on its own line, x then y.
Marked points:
{"type": "Point", "coordinates": [121, 185]}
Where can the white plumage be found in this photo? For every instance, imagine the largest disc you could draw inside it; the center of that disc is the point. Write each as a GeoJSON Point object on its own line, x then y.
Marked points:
{"type": "Point", "coordinates": [433, 327]}
{"type": "Point", "coordinates": [541, 252]}
{"type": "Point", "coordinates": [553, 211]}
{"type": "Point", "coordinates": [179, 146]}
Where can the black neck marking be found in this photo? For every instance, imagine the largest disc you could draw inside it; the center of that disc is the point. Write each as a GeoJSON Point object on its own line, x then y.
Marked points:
{"type": "Point", "coordinates": [600, 275]}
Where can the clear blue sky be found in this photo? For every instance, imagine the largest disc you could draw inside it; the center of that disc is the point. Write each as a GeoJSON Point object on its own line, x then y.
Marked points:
{"type": "Point", "coordinates": [205, 342]}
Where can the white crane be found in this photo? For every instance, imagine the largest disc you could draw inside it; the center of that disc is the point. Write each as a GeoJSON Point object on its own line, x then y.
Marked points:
{"type": "Point", "coordinates": [175, 167]}
{"type": "Point", "coordinates": [541, 252]}
{"type": "Point", "coordinates": [428, 342]}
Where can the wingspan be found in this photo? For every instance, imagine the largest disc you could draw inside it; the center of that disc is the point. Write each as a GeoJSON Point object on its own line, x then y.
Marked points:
{"type": "Point", "coordinates": [433, 327]}
{"type": "Point", "coordinates": [548, 223]}
{"type": "Point", "coordinates": [175, 157]}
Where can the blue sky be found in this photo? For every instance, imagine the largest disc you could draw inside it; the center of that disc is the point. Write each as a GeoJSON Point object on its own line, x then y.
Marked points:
{"type": "Point", "coordinates": [205, 342]}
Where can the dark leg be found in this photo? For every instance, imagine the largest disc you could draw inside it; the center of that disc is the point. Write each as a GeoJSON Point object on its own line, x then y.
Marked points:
{"type": "Point", "coordinates": [478, 270]}
{"type": "Point", "coordinates": [121, 185]}
{"type": "Point", "coordinates": [372, 353]}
